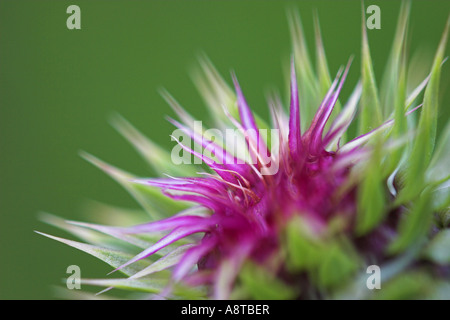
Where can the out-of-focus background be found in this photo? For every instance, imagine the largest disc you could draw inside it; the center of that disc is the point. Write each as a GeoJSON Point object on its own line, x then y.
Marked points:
{"type": "Point", "coordinates": [59, 88]}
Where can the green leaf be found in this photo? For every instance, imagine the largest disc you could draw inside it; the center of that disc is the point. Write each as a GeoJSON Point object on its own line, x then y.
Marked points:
{"type": "Point", "coordinates": [438, 250]}
{"type": "Point", "coordinates": [114, 258]}
{"type": "Point", "coordinates": [67, 294]}
{"type": "Point", "coordinates": [81, 233]}
{"type": "Point", "coordinates": [336, 266]}
{"type": "Point", "coordinates": [371, 195]}
{"type": "Point", "coordinates": [329, 262]}
{"type": "Point", "coordinates": [101, 238]}
{"type": "Point", "coordinates": [142, 241]}
{"type": "Point", "coordinates": [440, 291]}
{"type": "Point", "coordinates": [444, 215]}
{"type": "Point", "coordinates": [356, 288]}
{"type": "Point", "coordinates": [262, 285]}
{"type": "Point", "coordinates": [148, 285]}
{"type": "Point", "coordinates": [113, 232]}
{"type": "Point", "coordinates": [438, 174]}
{"type": "Point", "coordinates": [167, 261]}
{"type": "Point", "coordinates": [428, 119]}
{"type": "Point", "coordinates": [407, 286]}
{"type": "Point", "coordinates": [415, 93]}
{"type": "Point", "coordinates": [103, 213]}
{"type": "Point", "coordinates": [415, 224]}
{"type": "Point", "coordinates": [303, 251]}
{"type": "Point", "coordinates": [439, 170]}
{"type": "Point", "coordinates": [423, 147]}
{"type": "Point", "coordinates": [142, 285]}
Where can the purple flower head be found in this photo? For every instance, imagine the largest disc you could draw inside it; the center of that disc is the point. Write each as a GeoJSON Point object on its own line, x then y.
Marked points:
{"type": "Point", "coordinates": [249, 209]}
{"type": "Point", "coordinates": [302, 212]}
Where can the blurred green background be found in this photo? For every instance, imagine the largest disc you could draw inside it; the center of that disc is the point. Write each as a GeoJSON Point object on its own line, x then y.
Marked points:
{"type": "Point", "coordinates": [59, 87]}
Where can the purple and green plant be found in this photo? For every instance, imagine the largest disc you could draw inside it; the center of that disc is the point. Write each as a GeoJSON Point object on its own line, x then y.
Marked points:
{"type": "Point", "coordinates": [335, 205]}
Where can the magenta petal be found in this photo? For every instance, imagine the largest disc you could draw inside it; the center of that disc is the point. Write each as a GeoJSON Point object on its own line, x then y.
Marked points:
{"type": "Point", "coordinates": [215, 204]}
{"type": "Point", "coordinates": [198, 278]}
{"type": "Point", "coordinates": [162, 225]}
{"type": "Point", "coordinates": [225, 159]}
{"type": "Point", "coordinates": [248, 120]}
{"type": "Point", "coordinates": [191, 257]}
{"type": "Point", "coordinates": [330, 135]}
{"type": "Point", "coordinates": [295, 142]}
{"type": "Point", "coordinates": [329, 108]}
{"type": "Point", "coordinates": [315, 131]}
{"type": "Point", "coordinates": [228, 270]}
{"type": "Point", "coordinates": [175, 235]}
{"type": "Point", "coordinates": [219, 152]}
{"type": "Point", "coordinates": [205, 190]}
{"type": "Point", "coordinates": [216, 167]}
{"type": "Point", "coordinates": [323, 105]}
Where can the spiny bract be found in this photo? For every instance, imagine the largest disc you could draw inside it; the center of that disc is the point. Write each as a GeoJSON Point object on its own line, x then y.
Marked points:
{"type": "Point", "coordinates": [303, 218]}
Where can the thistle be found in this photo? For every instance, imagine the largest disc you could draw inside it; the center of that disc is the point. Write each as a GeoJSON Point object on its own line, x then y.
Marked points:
{"type": "Point", "coordinates": [301, 214]}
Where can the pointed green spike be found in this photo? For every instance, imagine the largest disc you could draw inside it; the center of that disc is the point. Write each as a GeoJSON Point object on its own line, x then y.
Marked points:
{"type": "Point", "coordinates": [423, 147]}
{"type": "Point", "coordinates": [390, 80]}
{"type": "Point", "coordinates": [62, 292]}
{"type": "Point", "coordinates": [371, 116]}
{"type": "Point", "coordinates": [399, 127]}
{"type": "Point", "coordinates": [301, 52]}
{"type": "Point", "coordinates": [306, 78]}
{"type": "Point", "coordinates": [321, 60]}
{"type": "Point", "coordinates": [155, 156]}
{"type": "Point", "coordinates": [149, 285]}
{"type": "Point", "coordinates": [108, 214]}
{"type": "Point", "coordinates": [81, 233]}
{"type": "Point", "coordinates": [323, 73]}
{"type": "Point", "coordinates": [110, 231]}
{"type": "Point", "coordinates": [165, 262]}
{"type": "Point", "coordinates": [151, 199]}
{"type": "Point", "coordinates": [114, 258]}
{"type": "Point", "coordinates": [141, 285]}
{"type": "Point", "coordinates": [214, 90]}
{"type": "Point", "coordinates": [428, 119]}
{"type": "Point", "coordinates": [439, 170]}
{"type": "Point", "coordinates": [184, 116]}
{"type": "Point", "coordinates": [219, 96]}
{"type": "Point", "coordinates": [415, 224]}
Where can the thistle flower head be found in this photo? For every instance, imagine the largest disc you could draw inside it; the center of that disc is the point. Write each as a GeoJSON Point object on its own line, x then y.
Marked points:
{"type": "Point", "coordinates": [306, 209]}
